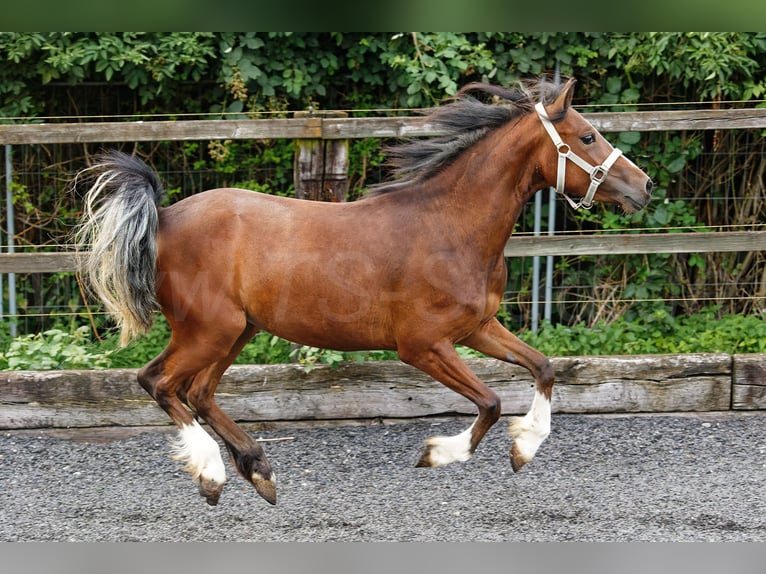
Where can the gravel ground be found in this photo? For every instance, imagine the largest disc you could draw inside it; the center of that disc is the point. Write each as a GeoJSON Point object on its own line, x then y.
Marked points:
{"type": "Point", "coordinates": [597, 478]}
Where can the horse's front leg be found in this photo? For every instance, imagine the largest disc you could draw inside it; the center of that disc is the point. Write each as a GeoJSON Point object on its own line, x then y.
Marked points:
{"type": "Point", "coordinates": [442, 362]}
{"type": "Point", "coordinates": [528, 432]}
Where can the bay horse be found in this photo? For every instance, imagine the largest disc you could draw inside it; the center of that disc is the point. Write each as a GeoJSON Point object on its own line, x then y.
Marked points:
{"type": "Point", "coordinates": [417, 266]}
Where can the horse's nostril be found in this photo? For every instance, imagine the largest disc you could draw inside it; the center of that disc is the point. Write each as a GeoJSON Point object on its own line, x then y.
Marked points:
{"type": "Point", "coordinates": [649, 186]}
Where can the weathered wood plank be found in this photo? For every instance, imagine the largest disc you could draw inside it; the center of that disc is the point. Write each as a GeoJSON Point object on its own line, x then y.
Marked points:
{"type": "Point", "coordinates": [678, 120]}
{"type": "Point", "coordinates": [643, 383]}
{"type": "Point", "coordinates": [67, 415]}
{"type": "Point", "coordinates": [38, 399]}
{"type": "Point", "coordinates": [391, 127]}
{"type": "Point", "coordinates": [254, 393]}
{"type": "Point", "coordinates": [320, 171]}
{"type": "Point", "coordinates": [517, 246]}
{"type": "Point", "coordinates": [343, 128]}
{"type": "Point", "coordinates": [54, 262]}
{"type": "Point", "coordinates": [623, 243]}
{"type": "Point", "coordinates": [749, 382]}
{"type": "Point", "coordinates": [98, 132]}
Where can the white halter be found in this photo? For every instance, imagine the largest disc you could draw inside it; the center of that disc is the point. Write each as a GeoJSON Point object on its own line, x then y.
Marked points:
{"type": "Point", "coordinates": [597, 173]}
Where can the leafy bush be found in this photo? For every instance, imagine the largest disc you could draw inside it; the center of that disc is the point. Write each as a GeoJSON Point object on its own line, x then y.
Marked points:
{"type": "Point", "coordinates": [54, 349]}
{"type": "Point", "coordinates": [655, 333]}
{"type": "Point", "coordinates": [138, 352]}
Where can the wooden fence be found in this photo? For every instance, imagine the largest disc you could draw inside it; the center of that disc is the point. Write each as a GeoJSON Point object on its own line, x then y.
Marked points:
{"type": "Point", "coordinates": [331, 128]}
{"type": "Point", "coordinates": [694, 382]}
{"type": "Point", "coordinates": [391, 390]}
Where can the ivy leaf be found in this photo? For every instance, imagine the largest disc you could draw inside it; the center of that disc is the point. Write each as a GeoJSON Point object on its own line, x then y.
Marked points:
{"type": "Point", "coordinates": [613, 84]}
{"type": "Point", "coordinates": [661, 215]}
{"type": "Point", "coordinates": [631, 95]}
{"type": "Point", "coordinates": [631, 138]}
{"type": "Point", "coordinates": [677, 164]}
{"type": "Point", "coordinates": [249, 70]}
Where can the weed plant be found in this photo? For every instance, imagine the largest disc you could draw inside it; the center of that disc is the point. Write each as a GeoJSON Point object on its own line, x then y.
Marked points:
{"type": "Point", "coordinates": [655, 333]}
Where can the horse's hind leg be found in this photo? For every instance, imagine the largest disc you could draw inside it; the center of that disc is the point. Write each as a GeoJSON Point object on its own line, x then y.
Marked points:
{"type": "Point", "coordinates": [442, 362]}
{"type": "Point", "coordinates": [248, 456]}
{"type": "Point", "coordinates": [194, 446]}
{"type": "Point", "coordinates": [531, 430]}
{"type": "Point", "coordinates": [189, 371]}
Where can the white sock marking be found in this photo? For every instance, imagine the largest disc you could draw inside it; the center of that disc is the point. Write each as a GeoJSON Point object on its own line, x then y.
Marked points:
{"type": "Point", "coordinates": [447, 449]}
{"type": "Point", "coordinates": [532, 429]}
{"type": "Point", "coordinates": [200, 452]}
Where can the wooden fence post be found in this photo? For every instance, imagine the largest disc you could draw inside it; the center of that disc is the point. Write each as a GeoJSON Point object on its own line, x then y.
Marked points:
{"type": "Point", "coordinates": [321, 166]}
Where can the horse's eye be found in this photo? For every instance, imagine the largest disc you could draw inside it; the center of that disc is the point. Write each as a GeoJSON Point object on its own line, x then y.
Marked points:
{"type": "Point", "coordinates": [588, 139]}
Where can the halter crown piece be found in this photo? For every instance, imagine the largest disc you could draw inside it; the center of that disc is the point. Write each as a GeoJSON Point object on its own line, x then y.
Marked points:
{"type": "Point", "coordinates": [597, 173]}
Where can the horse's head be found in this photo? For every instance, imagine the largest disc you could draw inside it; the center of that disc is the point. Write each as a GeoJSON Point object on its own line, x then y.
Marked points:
{"type": "Point", "coordinates": [583, 164]}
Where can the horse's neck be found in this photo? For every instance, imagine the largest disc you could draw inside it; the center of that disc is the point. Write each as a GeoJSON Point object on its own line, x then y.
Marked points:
{"type": "Point", "coordinates": [486, 196]}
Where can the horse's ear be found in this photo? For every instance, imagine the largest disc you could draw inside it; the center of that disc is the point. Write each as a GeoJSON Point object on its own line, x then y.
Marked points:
{"type": "Point", "coordinates": [564, 100]}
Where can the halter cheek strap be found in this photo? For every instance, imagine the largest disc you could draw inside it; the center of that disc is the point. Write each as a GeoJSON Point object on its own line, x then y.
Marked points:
{"type": "Point", "coordinates": [597, 173]}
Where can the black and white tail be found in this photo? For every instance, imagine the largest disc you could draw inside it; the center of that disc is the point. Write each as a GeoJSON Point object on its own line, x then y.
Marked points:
{"type": "Point", "coordinates": [119, 231]}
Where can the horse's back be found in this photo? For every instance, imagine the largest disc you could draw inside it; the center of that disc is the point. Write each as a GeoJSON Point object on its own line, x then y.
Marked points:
{"type": "Point", "coordinates": [294, 266]}
{"type": "Point", "coordinates": [221, 206]}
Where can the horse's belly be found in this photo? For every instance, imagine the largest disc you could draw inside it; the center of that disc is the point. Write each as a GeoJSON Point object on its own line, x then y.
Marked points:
{"type": "Point", "coordinates": [322, 327]}
{"type": "Point", "coordinates": [310, 309]}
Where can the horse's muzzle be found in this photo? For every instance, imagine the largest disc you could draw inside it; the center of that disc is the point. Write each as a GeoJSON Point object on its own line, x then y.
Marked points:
{"type": "Point", "coordinates": [633, 204]}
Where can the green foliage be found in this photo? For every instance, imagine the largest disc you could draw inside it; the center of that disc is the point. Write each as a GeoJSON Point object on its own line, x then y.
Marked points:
{"type": "Point", "coordinates": [149, 63]}
{"type": "Point", "coordinates": [433, 65]}
{"type": "Point", "coordinates": [139, 351]}
{"type": "Point", "coordinates": [264, 71]}
{"type": "Point", "coordinates": [311, 357]}
{"type": "Point", "coordinates": [715, 64]}
{"type": "Point", "coordinates": [54, 349]}
{"type": "Point", "coordinates": [658, 332]}
{"type": "Point", "coordinates": [264, 348]}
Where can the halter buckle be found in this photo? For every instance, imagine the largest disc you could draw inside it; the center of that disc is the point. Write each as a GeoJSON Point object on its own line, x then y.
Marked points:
{"type": "Point", "coordinates": [599, 173]}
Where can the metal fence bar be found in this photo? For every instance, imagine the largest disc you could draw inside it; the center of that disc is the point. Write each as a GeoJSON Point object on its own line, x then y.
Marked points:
{"type": "Point", "coordinates": [11, 231]}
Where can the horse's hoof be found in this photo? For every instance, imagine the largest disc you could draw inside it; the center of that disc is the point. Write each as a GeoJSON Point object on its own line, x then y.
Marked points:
{"type": "Point", "coordinates": [425, 460]}
{"type": "Point", "coordinates": [212, 500]}
{"type": "Point", "coordinates": [210, 491]}
{"type": "Point", "coordinates": [266, 487]}
{"type": "Point", "coordinates": [517, 459]}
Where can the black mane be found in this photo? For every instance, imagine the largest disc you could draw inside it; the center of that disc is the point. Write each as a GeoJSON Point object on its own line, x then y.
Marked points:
{"type": "Point", "coordinates": [463, 121]}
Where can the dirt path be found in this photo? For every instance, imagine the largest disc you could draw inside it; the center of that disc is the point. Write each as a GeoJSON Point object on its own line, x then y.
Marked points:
{"type": "Point", "coordinates": [642, 478]}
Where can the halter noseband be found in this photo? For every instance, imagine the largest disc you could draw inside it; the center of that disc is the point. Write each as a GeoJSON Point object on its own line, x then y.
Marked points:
{"type": "Point", "coordinates": [597, 173]}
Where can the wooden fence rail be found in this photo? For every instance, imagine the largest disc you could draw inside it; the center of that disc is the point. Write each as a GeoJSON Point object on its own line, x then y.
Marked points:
{"type": "Point", "coordinates": [347, 128]}
{"type": "Point", "coordinates": [517, 246]}
{"type": "Point", "coordinates": [390, 389]}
